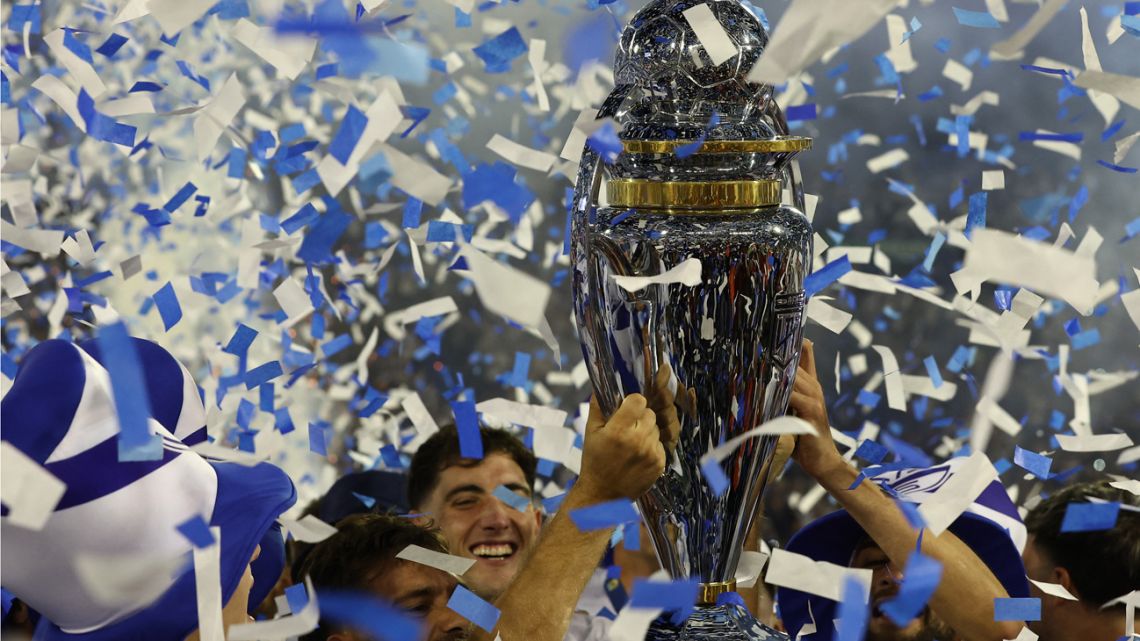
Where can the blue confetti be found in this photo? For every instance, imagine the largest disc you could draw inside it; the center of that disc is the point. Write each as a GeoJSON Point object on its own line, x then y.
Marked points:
{"type": "Point", "coordinates": [322, 237]}
{"type": "Point", "coordinates": [977, 214]}
{"type": "Point", "coordinates": [168, 308]}
{"type": "Point", "coordinates": [240, 341]}
{"type": "Point", "coordinates": [603, 515]}
{"type": "Point", "coordinates": [467, 427]}
{"type": "Point", "coordinates": [853, 613]}
{"type": "Point", "coordinates": [317, 439]}
{"type": "Point", "coordinates": [1118, 168]}
{"type": "Point", "coordinates": [932, 371]}
{"type": "Point", "coordinates": [1090, 517]}
{"type": "Point", "coordinates": [714, 476]}
{"type": "Point", "coordinates": [801, 112]}
{"type": "Point", "coordinates": [25, 14]}
{"type": "Point", "coordinates": [368, 501]}
{"type": "Point", "coordinates": [334, 346]}
{"type": "Point", "coordinates": [182, 196]}
{"type": "Point", "coordinates": [263, 374]}
{"type": "Point", "coordinates": [605, 143]}
{"type": "Point", "coordinates": [351, 128]}
{"type": "Point", "coordinates": [679, 595]}
{"type": "Point", "coordinates": [297, 597]}
{"type": "Point", "coordinates": [497, 183]}
{"type": "Point", "coordinates": [1084, 339]}
{"type": "Point", "coordinates": [442, 232]}
{"type": "Point", "coordinates": [111, 45]}
{"type": "Point", "coordinates": [472, 608]}
{"type": "Point", "coordinates": [282, 421]}
{"type": "Point", "coordinates": [1017, 609]}
{"type": "Point", "coordinates": [368, 614]}
{"type": "Point", "coordinates": [818, 280]}
{"type": "Point", "coordinates": [871, 452]}
{"type": "Point", "coordinates": [920, 579]}
{"type": "Point", "coordinates": [520, 503]}
{"type": "Point", "coordinates": [498, 52]}
{"type": "Point", "coordinates": [136, 443]}
{"type": "Point", "coordinates": [915, 25]}
{"type": "Point", "coordinates": [197, 531]}
{"type": "Point", "coordinates": [1032, 462]}
{"type": "Point", "coordinates": [101, 127]}
{"type": "Point", "coordinates": [1027, 136]}
{"type": "Point", "coordinates": [978, 19]}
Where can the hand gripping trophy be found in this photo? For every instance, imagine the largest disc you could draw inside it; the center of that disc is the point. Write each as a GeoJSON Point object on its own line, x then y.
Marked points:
{"type": "Point", "coordinates": [705, 169]}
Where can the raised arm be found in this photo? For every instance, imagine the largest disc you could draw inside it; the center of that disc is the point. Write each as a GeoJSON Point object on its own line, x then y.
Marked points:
{"type": "Point", "coordinates": [621, 458]}
{"type": "Point", "coordinates": [965, 596]}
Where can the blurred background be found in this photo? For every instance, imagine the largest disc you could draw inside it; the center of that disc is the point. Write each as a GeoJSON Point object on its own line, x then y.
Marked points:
{"type": "Point", "coordinates": [351, 368]}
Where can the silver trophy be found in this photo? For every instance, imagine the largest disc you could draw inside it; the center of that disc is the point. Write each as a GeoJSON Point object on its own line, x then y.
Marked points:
{"type": "Point", "coordinates": [705, 165]}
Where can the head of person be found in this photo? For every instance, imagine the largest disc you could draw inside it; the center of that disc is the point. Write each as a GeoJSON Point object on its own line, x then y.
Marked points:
{"type": "Point", "coordinates": [886, 577]}
{"type": "Point", "coordinates": [457, 495]}
{"type": "Point", "coordinates": [990, 527]}
{"type": "Point", "coordinates": [361, 557]}
{"type": "Point", "coordinates": [1094, 566]}
{"type": "Point", "coordinates": [60, 417]}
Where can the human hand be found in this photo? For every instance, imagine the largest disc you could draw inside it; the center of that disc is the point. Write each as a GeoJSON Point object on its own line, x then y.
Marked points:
{"type": "Point", "coordinates": [621, 457]}
{"type": "Point", "coordinates": [815, 454]}
{"type": "Point", "coordinates": [664, 402]}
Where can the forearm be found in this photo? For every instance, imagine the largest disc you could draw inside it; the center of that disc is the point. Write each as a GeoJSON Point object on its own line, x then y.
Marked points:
{"type": "Point", "coordinates": [965, 595]}
{"type": "Point", "coordinates": [540, 601]}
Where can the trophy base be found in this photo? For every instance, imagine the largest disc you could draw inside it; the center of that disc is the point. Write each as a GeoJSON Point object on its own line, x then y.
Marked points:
{"type": "Point", "coordinates": [726, 622]}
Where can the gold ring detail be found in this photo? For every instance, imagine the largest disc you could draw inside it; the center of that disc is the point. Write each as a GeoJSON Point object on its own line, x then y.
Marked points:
{"type": "Point", "coordinates": [711, 195]}
{"type": "Point", "coordinates": [708, 592]}
{"type": "Point", "coordinates": [781, 144]}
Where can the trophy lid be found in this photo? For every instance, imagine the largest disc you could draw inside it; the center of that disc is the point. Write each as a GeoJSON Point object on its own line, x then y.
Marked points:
{"type": "Point", "coordinates": [685, 118]}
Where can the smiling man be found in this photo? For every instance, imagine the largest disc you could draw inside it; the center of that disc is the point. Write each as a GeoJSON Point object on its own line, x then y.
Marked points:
{"type": "Point", "coordinates": [457, 495]}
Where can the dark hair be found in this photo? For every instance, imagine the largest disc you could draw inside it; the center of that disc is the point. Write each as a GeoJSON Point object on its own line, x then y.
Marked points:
{"type": "Point", "coordinates": [441, 451]}
{"type": "Point", "coordinates": [1103, 564]}
{"type": "Point", "coordinates": [364, 545]}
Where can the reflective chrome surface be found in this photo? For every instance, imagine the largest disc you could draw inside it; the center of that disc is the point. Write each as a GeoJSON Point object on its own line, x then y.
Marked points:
{"type": "Point", "coordinates": [731, 342]}
{"type": "Point", "coordinates": [716, 623]}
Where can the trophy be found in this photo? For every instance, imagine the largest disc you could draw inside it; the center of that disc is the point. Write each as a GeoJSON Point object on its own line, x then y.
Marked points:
{"type": "Point", "coordinates": [705, 169]}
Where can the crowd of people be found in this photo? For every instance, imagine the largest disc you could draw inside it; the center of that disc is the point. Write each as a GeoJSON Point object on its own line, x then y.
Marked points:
{"type": "Point", "coordinates": [546, 578]}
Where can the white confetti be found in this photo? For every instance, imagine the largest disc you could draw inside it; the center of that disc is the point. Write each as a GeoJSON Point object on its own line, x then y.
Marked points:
{"type": "Point", "coordinates": [29, 491]}
{"type": "Point", "coordinates": [799, 572]}
{"type": "Point", "coordinates": [449, 563]}
{"type": "Point", "coordinates": [687, 272]}
{"type": "Point", "coordinates": [308, 529]}
{"type": "Point", "coordinates": [716, 42]}
{"type": "Point", "coordinates": [521, 155]}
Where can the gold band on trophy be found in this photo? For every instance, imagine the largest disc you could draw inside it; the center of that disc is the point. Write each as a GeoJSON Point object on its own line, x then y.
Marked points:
{"type": "Point", "coordinates": [711, 196]}
{"type": "Point", "coordinates": [708, 592]}
{"type": "Point", "coordinates": [781, 144]}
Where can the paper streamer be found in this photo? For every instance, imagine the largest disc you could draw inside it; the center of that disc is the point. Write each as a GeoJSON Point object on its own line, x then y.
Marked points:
{"type": "Point", "coordinates": [799, 572]}
{"type": "Point", "coordinates": [449, 563]}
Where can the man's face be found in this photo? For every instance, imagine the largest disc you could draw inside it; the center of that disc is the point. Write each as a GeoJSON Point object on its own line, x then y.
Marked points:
{"type": "Point", "coordinates": [423, 592]}
{"type": "Point", "coordinates": [477, 525]}
{"type": "Point", "coordinates": [885, 583]}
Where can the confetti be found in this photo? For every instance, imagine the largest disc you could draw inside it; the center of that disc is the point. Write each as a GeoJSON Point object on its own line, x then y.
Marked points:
{"type": "Point", "coordinates": [474, 609]}
{"type": "Point", "coordinates": [1017, 609]}
{"type": "Point", "coordinates": [719, 47]}
{"type": "Point", "coordinates": [449, 563]}
{"type": "Point", "coordinates": [798, 572]}
{"type": "Point", "coordinates": [1090, 517]}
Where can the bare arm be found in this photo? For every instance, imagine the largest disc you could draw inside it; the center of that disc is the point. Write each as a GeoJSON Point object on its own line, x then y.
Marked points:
{"type": "Point", "coordinates": [622, 457]}
{"type": "Point", "coordinates": [965, 595]}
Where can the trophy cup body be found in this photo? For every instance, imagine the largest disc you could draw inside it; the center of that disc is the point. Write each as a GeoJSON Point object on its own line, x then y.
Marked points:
{"type": "Point", "coordinates": [705, 167]}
